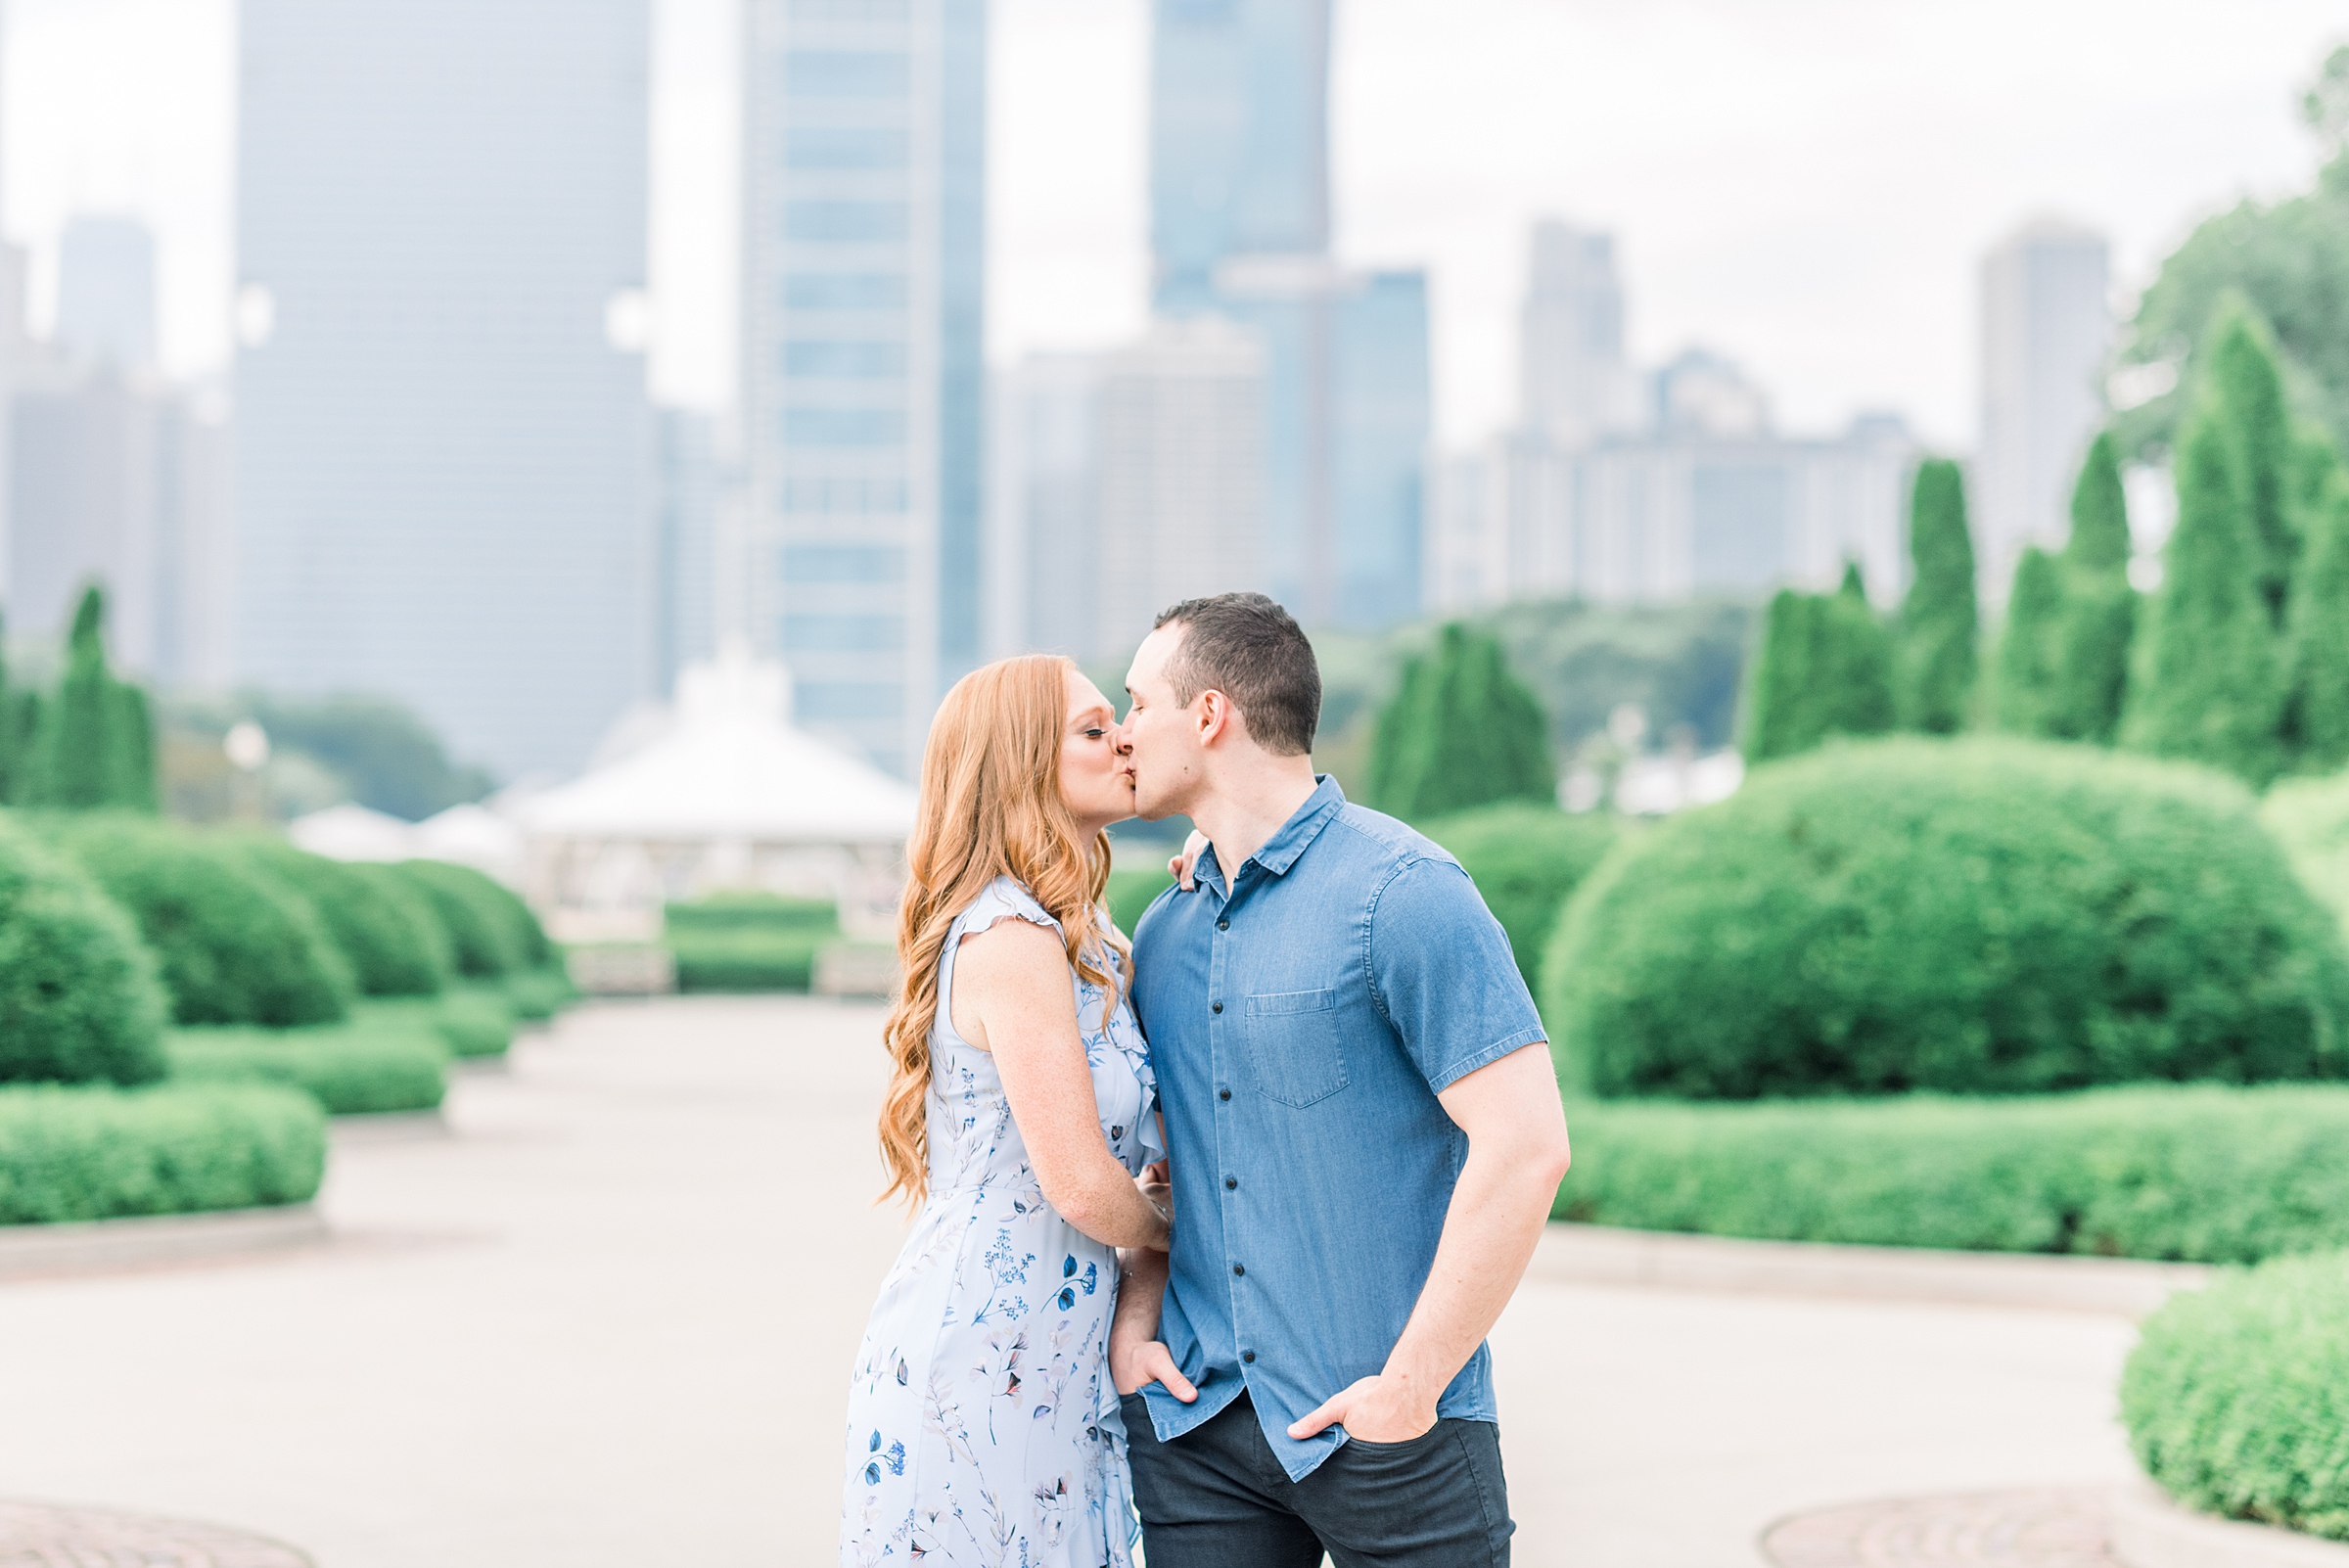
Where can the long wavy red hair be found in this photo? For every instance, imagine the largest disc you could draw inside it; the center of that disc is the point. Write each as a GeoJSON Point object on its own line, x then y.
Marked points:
{"type": "Point", "coordinates": [990, 807]}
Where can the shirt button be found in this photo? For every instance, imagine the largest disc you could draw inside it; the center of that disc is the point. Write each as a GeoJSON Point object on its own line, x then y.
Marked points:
{"type": "Point", "coordinates": [1239, 1269]}
{"type": "Point", "coordinates": [1249, 1357]}
{"type": "Point", "coordinates": [1214, 1007]}
{"type": "Point", "coordinates": [1222, 1094]}
{"type": "Point", "coordinates": [1231, 1184]}
{"type": "Point", "coordinates": [1222, 924]}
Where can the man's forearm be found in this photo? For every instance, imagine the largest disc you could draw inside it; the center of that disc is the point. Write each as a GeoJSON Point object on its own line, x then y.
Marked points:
{"type": "Point", "coordinates": [1498, 1209]}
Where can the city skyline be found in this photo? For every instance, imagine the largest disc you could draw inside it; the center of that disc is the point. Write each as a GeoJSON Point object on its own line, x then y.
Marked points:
{"type": "Point", "coordinates": [1854, 290]}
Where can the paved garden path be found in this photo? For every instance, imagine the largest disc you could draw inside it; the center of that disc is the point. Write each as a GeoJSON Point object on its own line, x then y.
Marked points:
{"type": "Point", "coordinates": [606, 1325]}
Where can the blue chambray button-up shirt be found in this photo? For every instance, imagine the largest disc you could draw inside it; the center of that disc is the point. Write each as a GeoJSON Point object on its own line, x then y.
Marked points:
{"type": "Point", "coordinates": [1301, 1019]}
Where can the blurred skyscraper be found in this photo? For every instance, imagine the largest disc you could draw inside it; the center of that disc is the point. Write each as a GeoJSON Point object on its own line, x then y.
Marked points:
{"type": "Point", "coordinates": [105, 290]}
{"type": "Point", "coordinates": [1575, 383]}
{"type": "Point", "coordinates": [1240, 227]}
{"type": "Point", "coordinates": [1043, 546]}
{"type": "Point", "coordinates": [864, 381]}
{"type": "Point", "coordinates": [688, 483]}
{"type": "Point", "coordinates": [2046, 333]}
{"type": "Point", "coordinates": [443, 444]}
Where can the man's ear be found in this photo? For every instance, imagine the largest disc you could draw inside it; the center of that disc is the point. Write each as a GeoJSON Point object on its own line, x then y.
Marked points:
{"type": "Point", "coordinates": [1215, 715]}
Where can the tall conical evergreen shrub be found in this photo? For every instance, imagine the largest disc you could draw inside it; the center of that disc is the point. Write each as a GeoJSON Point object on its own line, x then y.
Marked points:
{"type": "Point", "coordinates": [2320, 633]}
{"type": "Point", "coordinates": [1825, 667]}
{"type": "Point", "coordinates": [1462, 731]}
{"type": "Point", "coordinates": [1940, 625]}
{"type": "Point", "coordinates": [94, 745]}
{"type": "Point", "coordinates": [2205, 683]}
{"type": "Point", "coordinates": [2242, 393]}
{"type": "Point", "coordinates": [2031, 647]}
{"type": "Point", "coordinates": [15, 743]}
{"type": "Point", "coordinates": [2100, 607]}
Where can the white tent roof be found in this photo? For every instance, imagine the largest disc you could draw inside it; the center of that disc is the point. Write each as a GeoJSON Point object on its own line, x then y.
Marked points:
{"type": "Point", "coordinates": [730, 767]}
{"type": "Point", "coordinates": [355, 833]}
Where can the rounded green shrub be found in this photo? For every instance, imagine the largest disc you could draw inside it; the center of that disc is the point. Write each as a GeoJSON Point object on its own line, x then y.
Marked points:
{"type": "Point", "coordinates": [68, 1153]}
{"type": "Point", "coordinates": [2236, 1398]}
{"type": "Point", "coordinates": [467, 1020]}
{"type": "Point", "coordinates": [79, 1001]}
{"type": "Point", "coordinates": [377, 919]}
{"type": "Point", "coordinates": [348, 1069]}
{"type": "Point", "coordinates": [1526, 858]}
{"type": "Point", "coordinates": [748, 942]}
{"type": "Point", "coordinates": [485, 940]}
{"type": "Point", "coordinates": [1971, 916]}
{"type": "Point", "coordinates": [233, 947]}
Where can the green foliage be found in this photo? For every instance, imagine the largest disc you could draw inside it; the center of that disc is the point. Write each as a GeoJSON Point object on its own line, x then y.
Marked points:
{"type": "Point", "coordinates": [1526, 859]}
{"type": "Point", "coordinates": [95, 749]}
{"type": "Point", "coordinates": [748, 942]}
{"type": "Point", "coordinates": [2290, 261]}
{"type": "Point", "coordinates": [1824, 669]}
{"type": "Point", "coordinates": [375, 917]}
{"type": "Point", "coordinates": [2099, 546]}
{"type": "Point", "coordinates": [2031, 648]}
{"type": "Point", "coordinates": [2201, 1173]}
{"type": "Point", "coordinates": [541, 993]}
{"type": "Point", "coordinates": [1976, 916]}
{"type": "Point", "coordinates": [388, 758]}
{"type": "Point", "coordinates": [470, 1020]}
{"type": "Point", "coordinates": [367, 1065]}
{"type": "Point", "coordinates": [79, 1001]}
{"type": "Point", "coordinates": [1132, 891]}
{"type": "Point", "coordinates": [2242, 397]}
{"type": "Point", "coordinates": [234, 948]}
{"type": "Point", "coordinates": [2310, 818]}
{"type": "Point", "coordinates": [2237, 1397]}
{"type": "Point", "coordinates": [15, 734]}
{"type": "Point", "coordinates": [2099, 622]}
{"type": "Point", "coordinates": [476, 915]}
{"type": "Point", "coordinates": [2206, 686]}
{"type": "Point", "coordinates": [1462, 731]}
{"type": "Point", "coordinates": [1940, 626]}
{"type": "Point", "coordinates": [71, 1154]}
{"type": "Point", "coordinates": [2320, 633]}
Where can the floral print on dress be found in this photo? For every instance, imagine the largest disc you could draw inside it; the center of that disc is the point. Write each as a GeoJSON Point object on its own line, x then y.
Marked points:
{"type": "Point", "coordinates": [983, 1426]}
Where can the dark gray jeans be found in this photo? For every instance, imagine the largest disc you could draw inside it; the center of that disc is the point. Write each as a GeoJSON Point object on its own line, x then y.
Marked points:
{"type": "Point", "coordinates": [1217, 1498]}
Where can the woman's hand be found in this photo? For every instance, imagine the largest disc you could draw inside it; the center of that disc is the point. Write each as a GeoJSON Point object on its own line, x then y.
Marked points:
{"type": "Point", "coordinates": [1181, 866]}
{"type": "Point", "coordinates": [1159, 1193]}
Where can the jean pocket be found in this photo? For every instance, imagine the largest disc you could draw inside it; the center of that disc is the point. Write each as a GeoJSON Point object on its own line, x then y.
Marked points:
{"type": "Point", "coordinates": [1296, 1051]}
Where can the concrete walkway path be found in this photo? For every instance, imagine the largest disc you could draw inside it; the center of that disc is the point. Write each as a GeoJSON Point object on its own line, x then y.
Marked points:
{"type": "Point", "coordinates": [606, 1323]}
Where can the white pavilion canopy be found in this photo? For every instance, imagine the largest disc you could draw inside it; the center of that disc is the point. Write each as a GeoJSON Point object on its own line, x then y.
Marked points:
{"type": "Point", "coordinates": [726, 794]}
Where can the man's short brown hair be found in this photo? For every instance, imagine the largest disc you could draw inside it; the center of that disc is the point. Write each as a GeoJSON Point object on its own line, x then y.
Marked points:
{"type": "Point", "coordinates": [1249, 649]}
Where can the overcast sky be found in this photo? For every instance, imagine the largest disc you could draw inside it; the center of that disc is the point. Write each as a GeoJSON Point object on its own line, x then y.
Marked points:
{"type": "Point", "coordinates": [1806, 185]}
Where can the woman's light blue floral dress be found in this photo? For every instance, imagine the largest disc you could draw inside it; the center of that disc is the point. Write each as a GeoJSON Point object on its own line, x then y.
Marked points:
{"type": "Point", "coordinates": [982, 1425]}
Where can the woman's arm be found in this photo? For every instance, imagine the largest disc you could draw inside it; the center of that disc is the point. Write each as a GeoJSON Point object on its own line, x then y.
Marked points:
{"type": "Point", "coordinates": [1012, 999]}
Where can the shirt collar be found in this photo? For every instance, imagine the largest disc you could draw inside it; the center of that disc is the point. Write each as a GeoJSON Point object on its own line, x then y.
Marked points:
{"type": "Point", "coordinates": [1305, 824]}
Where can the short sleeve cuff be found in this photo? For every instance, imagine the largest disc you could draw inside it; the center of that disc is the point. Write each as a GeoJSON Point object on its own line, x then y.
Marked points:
{"type": "Point", "coordinates": [1506, 1045]}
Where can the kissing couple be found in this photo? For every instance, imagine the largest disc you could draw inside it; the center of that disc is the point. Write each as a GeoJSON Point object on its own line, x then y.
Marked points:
{"type": "Point", "coordinates": [1211, 1225]}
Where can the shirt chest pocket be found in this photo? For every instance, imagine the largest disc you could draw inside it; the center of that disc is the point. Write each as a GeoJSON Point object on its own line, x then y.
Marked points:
{"type": "Point", "coordinates": [1296, 1051]}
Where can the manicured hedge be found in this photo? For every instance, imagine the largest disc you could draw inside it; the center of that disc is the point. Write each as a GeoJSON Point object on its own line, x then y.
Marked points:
{"type": "Point", "coordinates": [1526, 859]}
{"type": "Point", "coordinates": [1975, 916]}
{"type": "Point", "coordinates": [2236, 1398]}
{"type": "Point", "coordinates": [234, 946]}
{"type": "Point", "coordinates": [2310, 818]}
{"type": "Point", "coordinates": [748, 942]}
{"type": "Point", "coordinates": [468, 1020]}
{"type": "Point", "coordinates": [485, 940]}
{"type": "Point", "coordinates": [372, 1065]}
{"type": "Point", "coordinates": [100, 1153]}
{"type": "Point", "coordinates": [1131, 891]}
{"type": "Point", "coordinates": [2200, 1172]}
{"type": "Point", "coordinates": [539, 994]}
{"type": "Point", "coordinates": [375, 917]}
{"type": "Point", "coordinates": [79, 1001]}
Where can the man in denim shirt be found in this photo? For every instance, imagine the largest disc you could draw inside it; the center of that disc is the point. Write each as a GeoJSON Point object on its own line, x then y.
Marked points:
{"type": "Point", "coordinates": [1365, 1139]}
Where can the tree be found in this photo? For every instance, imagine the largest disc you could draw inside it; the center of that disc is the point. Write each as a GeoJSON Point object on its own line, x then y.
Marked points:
{"type": "Point", "coordinates": [14, 739]}
{"type": "Point", "coordinates": [1462, 731]}
{"type": "Point", "coordinates": [1824, 669]}
{"type": "Point", "coordinates": [2100, 607]}
{"type": "Point", "coordinates": [2321, 635]}
{"type": "Point", "coordinates": [95, 747]}
{"type": "Point", "coordinates": [2243, 393]}
{"type": "Point", "coordinates": [2205, 685]}
{"type": "Point", "coordinates": [1939, 625]}
{"type": "Point", "coordinates": [2031, 648]}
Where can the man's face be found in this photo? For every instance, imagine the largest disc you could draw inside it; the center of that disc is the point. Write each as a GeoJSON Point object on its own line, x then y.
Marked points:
{"type": "Point", "coordinates": [1162, 751]}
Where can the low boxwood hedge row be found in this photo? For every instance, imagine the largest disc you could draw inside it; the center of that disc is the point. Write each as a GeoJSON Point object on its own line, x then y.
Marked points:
{"type": "Point", "coordinates": [79, 1000]}
{"type": "Point", "coordinates": [468, 1020]}
{"type": "Point", "coordinates": [2192, 1173]}
{"type": "Point", "coordinates": [71, 1153]}
{"type": "Point", "coordinates": [538, 994]}
{"type": "Point", "coordinates": [748, 942]}
{"type": "Point", "coordinates": [347, 1069]}
{"type": "Point", "coordinates": [2236, 1398]}
{"type": "Point", "coordinates": [485, 942]}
